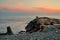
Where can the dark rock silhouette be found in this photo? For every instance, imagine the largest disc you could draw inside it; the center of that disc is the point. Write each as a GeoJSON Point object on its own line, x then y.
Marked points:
{"type": "Point", "coordinates": [32, 25]}
{"type": "Point", "coordinates": [35, 24]}
{"type": "Point", "coordinates": [21, 31]}
{"type": "Point", "coordinates": [56, 21]}
{"type": "Point", "coordinates": [9, 31]}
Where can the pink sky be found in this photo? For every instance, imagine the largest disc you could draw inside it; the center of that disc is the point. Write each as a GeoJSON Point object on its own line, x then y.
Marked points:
{"type": "Point", "coordinates": [47, 6]}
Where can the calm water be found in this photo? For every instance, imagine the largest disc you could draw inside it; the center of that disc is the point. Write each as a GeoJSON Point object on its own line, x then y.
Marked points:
{"type": "Point", "coordinates": [17, 23]}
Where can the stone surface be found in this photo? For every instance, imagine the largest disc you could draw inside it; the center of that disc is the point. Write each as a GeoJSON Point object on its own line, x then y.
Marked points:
{"type": "Point", "coordinates": [51, 33]}
{"type": "Point", "coordinates": [39, 23]}
{"type": "Point", "coordinates": [33, 36]}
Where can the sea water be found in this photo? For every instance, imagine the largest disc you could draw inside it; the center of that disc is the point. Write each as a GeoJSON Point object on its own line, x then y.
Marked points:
{"type": "Point", "coordinates": [17, 23]}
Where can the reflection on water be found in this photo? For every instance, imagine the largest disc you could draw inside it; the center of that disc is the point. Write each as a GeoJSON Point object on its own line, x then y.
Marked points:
{"type": "Point", "coordinates": [17, 23]}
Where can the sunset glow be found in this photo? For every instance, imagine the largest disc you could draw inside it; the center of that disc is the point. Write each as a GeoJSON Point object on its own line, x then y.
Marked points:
{"type": "Point", "coordinates": [31, 5]}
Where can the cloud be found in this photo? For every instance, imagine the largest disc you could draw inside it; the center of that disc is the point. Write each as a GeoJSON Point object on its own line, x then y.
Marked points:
{"type": "Point", "coordinates": [46, 9]}
{"type": "Point", "coordinates": [18, 6]}
{"type": "Point", "coordinates": [21, 6]}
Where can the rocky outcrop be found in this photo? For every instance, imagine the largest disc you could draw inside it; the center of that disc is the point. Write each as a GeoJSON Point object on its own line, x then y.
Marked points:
{"type": "Point", "coordinates": [9, 31]}
{"type": "Point", "coordinates": [39, 23]}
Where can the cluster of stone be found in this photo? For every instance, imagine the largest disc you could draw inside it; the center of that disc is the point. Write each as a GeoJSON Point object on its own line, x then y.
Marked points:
{"type": "Point", "coordinates": [39, 23]}
{"type": "Point", "coordinates": [53, 35]}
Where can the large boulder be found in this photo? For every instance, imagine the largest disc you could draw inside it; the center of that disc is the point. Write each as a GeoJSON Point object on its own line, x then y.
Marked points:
{"type": "Point", "coordinates": [38, 24]}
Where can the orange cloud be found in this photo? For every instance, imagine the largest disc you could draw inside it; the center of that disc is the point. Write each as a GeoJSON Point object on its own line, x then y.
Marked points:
{"type": "Point", "coordinates": [45, 8]}
{"type": "Point", "coordinates": [42, 9]}
{"type": "Point", "coordinates": [1, 6]}
{"type": "Point", "coordinates": [17, 6]}
{"type": "Point", "coordinates": [23, 7]}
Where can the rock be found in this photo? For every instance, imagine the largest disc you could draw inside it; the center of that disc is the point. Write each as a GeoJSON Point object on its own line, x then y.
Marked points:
{"type": "Point", "coordinates": [21, 32]}
{"type": "Point", "coordinates": [9, 31]}
{"type": "Point", "coordinates": [35, 24]}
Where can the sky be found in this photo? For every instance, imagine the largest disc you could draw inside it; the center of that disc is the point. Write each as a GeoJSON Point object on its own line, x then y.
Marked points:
{"type": "Point", "coordinates": [31, 5]}
{"type": "Point", "coordinates": [26, 10]}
